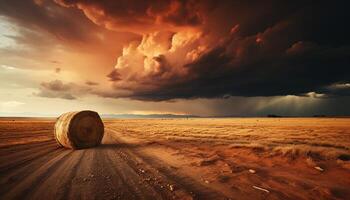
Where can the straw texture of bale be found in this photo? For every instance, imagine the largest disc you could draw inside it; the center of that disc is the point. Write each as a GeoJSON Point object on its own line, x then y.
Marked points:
{"type": "Point", "coordinates": [77, 130]}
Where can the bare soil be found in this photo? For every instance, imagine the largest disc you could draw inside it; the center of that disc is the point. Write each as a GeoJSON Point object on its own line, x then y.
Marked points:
{"type": "Point", "coordinates": [255, 158]}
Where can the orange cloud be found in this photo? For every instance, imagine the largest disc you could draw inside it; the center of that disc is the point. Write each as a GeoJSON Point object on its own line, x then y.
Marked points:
{"type": "Point", "coordinates": [140, 16]}
{"type": "Point", "coordinates": [159, 58]}
{"type": "Point", "coordinates": [188, 49]}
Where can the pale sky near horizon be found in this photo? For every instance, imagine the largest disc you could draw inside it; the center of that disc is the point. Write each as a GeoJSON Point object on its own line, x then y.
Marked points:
{"type": "Point", "coordinates": [204, 58]}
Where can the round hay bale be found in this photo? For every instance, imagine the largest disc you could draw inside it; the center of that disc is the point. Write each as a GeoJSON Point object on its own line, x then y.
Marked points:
{"type": "Point", "coordinates": [77, 130]}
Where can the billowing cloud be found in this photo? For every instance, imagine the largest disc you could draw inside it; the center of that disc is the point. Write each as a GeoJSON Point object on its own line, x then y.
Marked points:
{"type": "Point", "coordinates": [157, 61]}
{"type": "Point", "coordinates": [224, 51]}
{"type": "Point", "coordinates": [140, 16]}
{"type": "Point", "coordinates": [286, 58]}
{"type": "Point", "coordinates": [210, 49]}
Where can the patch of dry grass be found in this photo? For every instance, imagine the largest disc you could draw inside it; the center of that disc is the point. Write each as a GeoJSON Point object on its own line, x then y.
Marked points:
{"type": "Point", "coordinates": [314, 137]}
{"type": "Point", "coordinates": [25, 130]}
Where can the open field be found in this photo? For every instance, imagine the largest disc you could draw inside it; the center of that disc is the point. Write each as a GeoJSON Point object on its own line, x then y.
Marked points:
{"type": "Point", "coordinates": [233, 158]}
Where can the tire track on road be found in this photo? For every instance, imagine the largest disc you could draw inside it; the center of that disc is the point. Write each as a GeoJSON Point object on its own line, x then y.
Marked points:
{"type": "Point", "coordinates": [13, 162]}
{"type": "Point", "coordinates": [132, 177]}
{"type": "Point", "coordinates": [11, 177]}
{"type": "Point", "coordinates": [25, 188]}
{"type": "Point", "coordinates": [15, 148]}
{"type": "Point", "coordinates": [60, 180]}
{"type": "Point", "coordinates": [185, 183]}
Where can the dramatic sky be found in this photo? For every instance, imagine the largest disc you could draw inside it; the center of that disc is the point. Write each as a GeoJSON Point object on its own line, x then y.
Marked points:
{"type": "Point", "coordinates": [201, 57]}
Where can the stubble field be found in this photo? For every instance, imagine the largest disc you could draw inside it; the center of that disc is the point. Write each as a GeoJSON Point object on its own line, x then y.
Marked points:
{"type": "Point", "coordinates": [233, 158]}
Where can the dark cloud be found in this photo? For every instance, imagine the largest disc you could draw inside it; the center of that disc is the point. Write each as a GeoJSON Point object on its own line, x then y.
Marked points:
{"type": "Point", "coordinates": [47, 17]}
{"type": "Point", "coordinates": [56, 89]}
{"type": "Point", "coordinates": [260, 72]}
{"type": "Point", "coordinates": [59, 89]}
{"type": "Point", "coordinates": [215, 49]}
{"type": "Point", "coordinates": [140, 16]}
{"type": "Point", "coordinates": [91, 83]}
{"type": "Point", "coordinates": [305, 48]}
{"type": "Point", "coordinates": [336, 89]}
{"type": "Point", "coordinates": [57, 85]}
{"type": "Point", "coordinates": [114, 76]}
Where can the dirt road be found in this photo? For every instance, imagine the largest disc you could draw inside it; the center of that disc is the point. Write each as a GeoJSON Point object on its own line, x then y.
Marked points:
{"type": "Point", "coordinates": [114, 170]}
{"type": "Point", "coordinates": [180, 159]}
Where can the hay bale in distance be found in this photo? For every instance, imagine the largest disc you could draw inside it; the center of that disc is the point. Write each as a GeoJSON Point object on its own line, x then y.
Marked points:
{"type": "Point", "coordinates": [77, 130]}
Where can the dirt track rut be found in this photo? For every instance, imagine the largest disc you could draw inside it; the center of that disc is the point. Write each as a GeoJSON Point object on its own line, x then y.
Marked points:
{"type": "Point", "coordinates": [114, 170]}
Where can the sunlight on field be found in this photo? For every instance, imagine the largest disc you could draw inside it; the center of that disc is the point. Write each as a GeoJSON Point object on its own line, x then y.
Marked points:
{"type": "Point", "coordinates": [249, 158]}
{"type": "Point", "coordinates": [328, 137]}
{"type": "Point", "coordinates": [15, 131]}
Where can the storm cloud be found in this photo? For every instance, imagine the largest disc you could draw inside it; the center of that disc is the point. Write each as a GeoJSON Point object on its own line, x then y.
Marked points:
{"type": "Point", "coordinates": [140, 16]}
{"type": "Point", "coordinates": [306, 49]}
{"type": "Point", "coordinates": [201, 49]}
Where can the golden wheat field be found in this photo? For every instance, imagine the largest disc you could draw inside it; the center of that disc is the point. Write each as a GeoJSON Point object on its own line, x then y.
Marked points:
{"type": "Point", "coordinates": [195, 158]}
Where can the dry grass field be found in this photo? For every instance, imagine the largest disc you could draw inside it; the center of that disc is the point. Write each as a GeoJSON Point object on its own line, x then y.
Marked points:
{"type": "Point", "coordinates": [230, 158]}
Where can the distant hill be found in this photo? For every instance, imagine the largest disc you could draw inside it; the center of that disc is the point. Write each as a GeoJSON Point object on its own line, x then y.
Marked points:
{"type": "Point", "coordinates": [156, 116]}
{"type": "Point", "coordinates": [135, 116]}
{"type": "Point", "coordinates": [112, 116]}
